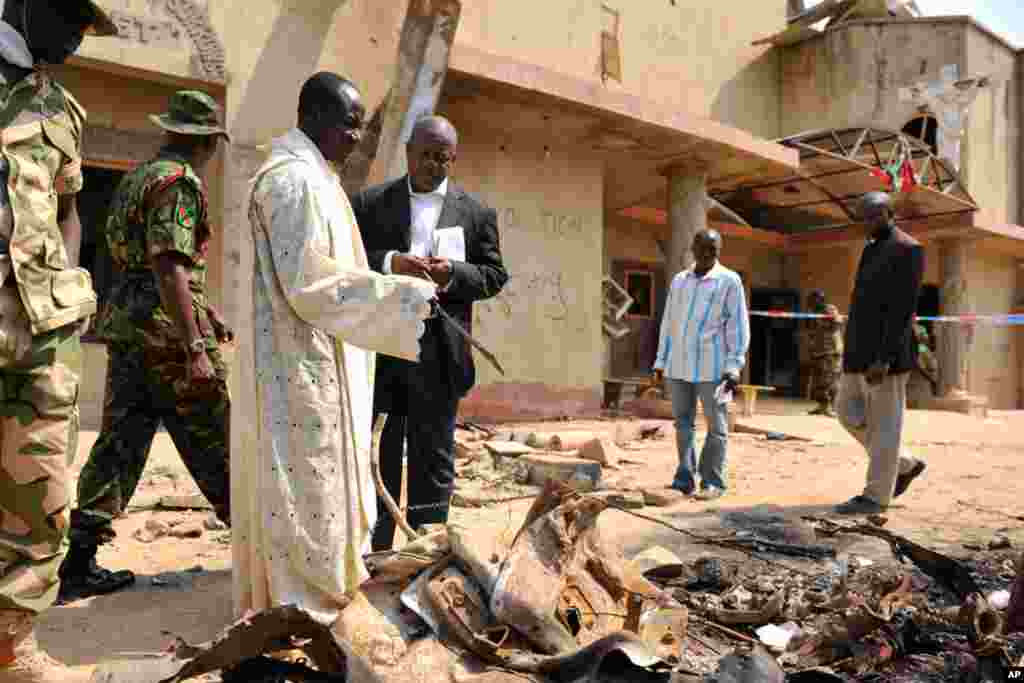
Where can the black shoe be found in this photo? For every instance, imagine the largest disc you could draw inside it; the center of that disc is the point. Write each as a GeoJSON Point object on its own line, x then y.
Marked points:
{"type": "Point", "coordinates": [859, 505]}
{"type": "Point", "coordinates": [904, 480]}
{"type": "Point", "coordinates": [81, 577]}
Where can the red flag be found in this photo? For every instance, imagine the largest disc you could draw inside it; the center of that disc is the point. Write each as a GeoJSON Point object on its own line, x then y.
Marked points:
{"type": "Point", "coordinates": [907, 176]}
{"type": "Point", "coordinates": [882, 175]}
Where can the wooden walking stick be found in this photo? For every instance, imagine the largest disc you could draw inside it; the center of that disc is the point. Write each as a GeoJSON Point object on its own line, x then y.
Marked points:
{"type": "Point", "coordinates": [389, 502]}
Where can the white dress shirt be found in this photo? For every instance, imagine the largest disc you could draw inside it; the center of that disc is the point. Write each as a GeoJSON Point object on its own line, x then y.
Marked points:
{"type": "Point", "coordinates": [424, 212]}
{"type": "Point", "coordinates": [705, 331]}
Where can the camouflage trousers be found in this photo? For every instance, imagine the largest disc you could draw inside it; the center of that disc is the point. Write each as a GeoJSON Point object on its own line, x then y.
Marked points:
{"type": "Point", "coordinates": [38, 443]}
{"type": "Point", "coordinates": [825, 384]}
{"type": "Point", "coordinates": [145, 387]}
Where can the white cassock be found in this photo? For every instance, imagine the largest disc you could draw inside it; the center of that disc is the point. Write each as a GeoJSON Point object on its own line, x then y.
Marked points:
{"type": "Point", "coordinates": [303, 499]}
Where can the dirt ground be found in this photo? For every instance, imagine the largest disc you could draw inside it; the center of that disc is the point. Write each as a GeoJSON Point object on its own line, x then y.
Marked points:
{"type": "Point", "coordinates": [969, 494]}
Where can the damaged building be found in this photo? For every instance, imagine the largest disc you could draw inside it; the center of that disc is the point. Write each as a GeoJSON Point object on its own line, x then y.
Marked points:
{"type": "Point", "coordinates": [605, 134]}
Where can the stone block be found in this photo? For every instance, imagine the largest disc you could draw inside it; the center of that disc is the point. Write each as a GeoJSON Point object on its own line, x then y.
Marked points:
{"type": "Point", "coordinates": [580, 474]}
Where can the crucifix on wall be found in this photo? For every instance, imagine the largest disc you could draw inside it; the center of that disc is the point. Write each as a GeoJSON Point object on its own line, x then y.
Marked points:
{"type": "Point", "coordinates": [949, 99]}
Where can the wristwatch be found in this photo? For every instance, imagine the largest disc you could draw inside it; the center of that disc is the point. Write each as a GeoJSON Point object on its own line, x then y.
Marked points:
{"type": "Point", "coordinates": [197, 346]}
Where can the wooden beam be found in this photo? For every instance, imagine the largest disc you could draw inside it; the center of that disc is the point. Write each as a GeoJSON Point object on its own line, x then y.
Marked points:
{"type": "Point", "coordinates": [215, 89]}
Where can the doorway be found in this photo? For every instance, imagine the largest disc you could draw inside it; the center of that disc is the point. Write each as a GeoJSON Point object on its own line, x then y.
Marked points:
{"type": "Point", "coordinates": [93, 206]}
{"type": "Point", "coordinates": [774, 356]}
{"type": "Point", "coordinates": [633, 355]}
{"type": "Point", "coordinates": [928, 305]}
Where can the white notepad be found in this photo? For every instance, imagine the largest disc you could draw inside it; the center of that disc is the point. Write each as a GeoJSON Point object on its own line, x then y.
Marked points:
{"type": "Point", "coordinates": [450, 243]}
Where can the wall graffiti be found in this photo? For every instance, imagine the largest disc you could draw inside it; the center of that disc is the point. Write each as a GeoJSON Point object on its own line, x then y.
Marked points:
{"type": "Point", "coordinates": [551, 223]}
{"type": "Point", "coordinates": [537, 293]}
{"type": "Point", "coordinates": [147, 31]}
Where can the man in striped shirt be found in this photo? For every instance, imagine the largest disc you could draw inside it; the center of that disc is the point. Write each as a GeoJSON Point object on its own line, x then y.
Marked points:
{"type": "Point", "coordinates": [705, 332]}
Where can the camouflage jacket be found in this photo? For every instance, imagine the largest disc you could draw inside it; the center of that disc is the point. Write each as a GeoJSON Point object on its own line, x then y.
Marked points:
{"type": "Point", "coordinates": [159, 207]}
{"type": "Point", "coordinates": [42, 146]}
{"type": "Point", "coordinates": [826, 334]}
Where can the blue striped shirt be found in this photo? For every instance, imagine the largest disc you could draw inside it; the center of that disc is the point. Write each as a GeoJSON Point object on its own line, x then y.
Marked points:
{"type": "Point", "coordinates": [705, 330]}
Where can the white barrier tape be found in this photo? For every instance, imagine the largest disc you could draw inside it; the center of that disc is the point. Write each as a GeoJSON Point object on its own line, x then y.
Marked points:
{"type": "Point", "coordinates": [970, 319]}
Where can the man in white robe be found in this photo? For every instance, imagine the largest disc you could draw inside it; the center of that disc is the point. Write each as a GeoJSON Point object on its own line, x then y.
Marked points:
{"type": "Point", "coordinates": [303, 500]}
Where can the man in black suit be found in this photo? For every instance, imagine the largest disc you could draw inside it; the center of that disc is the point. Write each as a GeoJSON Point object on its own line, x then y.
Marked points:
{"type": "Point", "coordinates": [878, 354]}
{"type": "Point", "coordinates": [425, 226]}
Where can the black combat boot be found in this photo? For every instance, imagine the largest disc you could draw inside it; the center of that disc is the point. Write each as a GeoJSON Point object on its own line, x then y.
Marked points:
{"type": "Point", "coordinates": [81, 577]}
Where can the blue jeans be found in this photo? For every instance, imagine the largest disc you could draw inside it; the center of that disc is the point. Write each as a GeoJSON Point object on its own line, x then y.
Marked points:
{"type": "Point", "coordinates": [712, 456]}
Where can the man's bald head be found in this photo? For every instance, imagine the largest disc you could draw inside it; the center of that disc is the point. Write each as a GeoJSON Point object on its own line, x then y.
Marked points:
{"type": "Point", "coordinates": [707, 245]}
{"type": "Point", "coordinates": [434, 129]}
{"type": "Point", "coordinates": [431, 152]}
{"type": "Point", "coordinates": [331, 114]}
{"type": "Point", "coordinates": [876, 210]}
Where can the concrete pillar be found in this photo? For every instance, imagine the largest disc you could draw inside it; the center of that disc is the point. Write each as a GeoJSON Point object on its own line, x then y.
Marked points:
{"type": "Point", "coordinates": [687, 214]}
{"type": "Point", "coordinates": [952, 338]}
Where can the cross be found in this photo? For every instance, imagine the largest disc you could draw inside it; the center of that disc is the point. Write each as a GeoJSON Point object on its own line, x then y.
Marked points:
{"type": "Point", "coordinates": [949, 99]}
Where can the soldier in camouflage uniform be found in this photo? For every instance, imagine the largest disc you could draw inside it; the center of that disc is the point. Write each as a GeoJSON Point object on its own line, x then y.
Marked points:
{"type": "Point", "coordinates": [45, 304]}
{"type": "Point", "coordinates": [163, 336]}
{"type": "Point", "coordinates": [927, 364]}
{"type": "Point", "coordinates": [826, 343]}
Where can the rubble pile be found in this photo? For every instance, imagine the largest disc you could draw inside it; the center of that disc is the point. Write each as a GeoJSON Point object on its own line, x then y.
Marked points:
{"type": "Point", "coordinates": [933, 619]}
{"type": "Point", "coordinates": [553, 602]}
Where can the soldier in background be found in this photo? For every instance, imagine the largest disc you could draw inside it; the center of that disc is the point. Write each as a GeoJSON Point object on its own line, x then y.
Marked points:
{"type": "Point", "coordinates": [162, 335]}
{"type": "Point", "coordinates": [826, 350]}
{"type": "Point", "coordinates": [926, 363]}
{"type": "Point", "coordinates": [45, 304]}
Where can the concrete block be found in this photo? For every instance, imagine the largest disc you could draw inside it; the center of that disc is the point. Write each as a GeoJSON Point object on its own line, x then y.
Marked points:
{"type": "Point", "coordinates": [631, 500]}
{"type": "Point", "coordinates": [507, 449]}
{"type": "Point", "coordinates": [663, 497]}
{"type": "Point", "coordinates": [192, 502]}
{"type": "Point", "coordinates": [580, 474]}
{"type": "Point", "coordinates": [603, 451]}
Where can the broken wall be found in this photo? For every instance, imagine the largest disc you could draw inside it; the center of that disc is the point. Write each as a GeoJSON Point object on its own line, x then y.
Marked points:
{"type": "Point", "coordinates": [851, 76]}
{"type": "Point", "coordinates": [696, 56]}
{"type": "Point", "coordinates": [991, 158]}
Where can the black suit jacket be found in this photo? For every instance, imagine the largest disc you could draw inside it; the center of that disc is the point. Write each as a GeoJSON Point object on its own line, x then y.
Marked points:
{"type": "Point", "coordinates": [881, 322]}
{"type": "Point", "coordinates": [385, 218]}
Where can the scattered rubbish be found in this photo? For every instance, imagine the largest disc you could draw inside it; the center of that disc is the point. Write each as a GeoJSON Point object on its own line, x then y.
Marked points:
{"type": "Point", "coordinates": [213, 523]}
{"type": "Point", "coordinates": [1000, 543]}
{"type": "Point", "coordinates": [661, 626]}
{"type": "Point", "coordinates": [777, 638]}
{"type": "Point", "coordinates": [737, 598]}
{"type": "Point", "coordinates": [567, 442]}
{"type": "Point", "coordinates": [580, 474]}
{"type": "Point", "coordinates": [652, 559]}
{"type": "Point", "coordinates": [507, 449]}
{"type": "Point", "coordinates": [185, 502]}
{"type": "Point", "coordinates": [187, 530]}
{"type": "Point", "coordinates": [862, 562]}
{"type": "Point", "coordinates": [602, 451]}
{"type": "Point", "coordinates": [151, 531]}
{"type": "Point", "coordinates": [665, 497]}
{"type": "Point", "coordinates": [1015, 610]}
{"type": "Point", "coordinates": [748, 665]}
{"type": "Point", "coordinates": [999, 600]}
{"type": "Point", "coordinates": [630, 500]}
{"type": "Point", "coordinates": [744, 613]}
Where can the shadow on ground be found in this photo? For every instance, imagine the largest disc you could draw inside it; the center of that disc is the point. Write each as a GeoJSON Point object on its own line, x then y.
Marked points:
{"type": "Point", "coordinates": [144, 618]}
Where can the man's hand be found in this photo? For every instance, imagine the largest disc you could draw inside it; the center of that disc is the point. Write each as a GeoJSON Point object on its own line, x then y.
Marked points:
{"type": "Point", "coordinates": [414, 266]}
{"type": "Point", "coordinates": [731, 380]}
{"type": "Point", "coordinates": [876, 373]}
{"type": "Point", "coordinates": [221, 331]}
{"type": "Point", "coordinates": [659, 376]}
{"type": "Point", "coordinates": [200, 369]}
{"type": "Point", "coordinates": [440, 270]}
